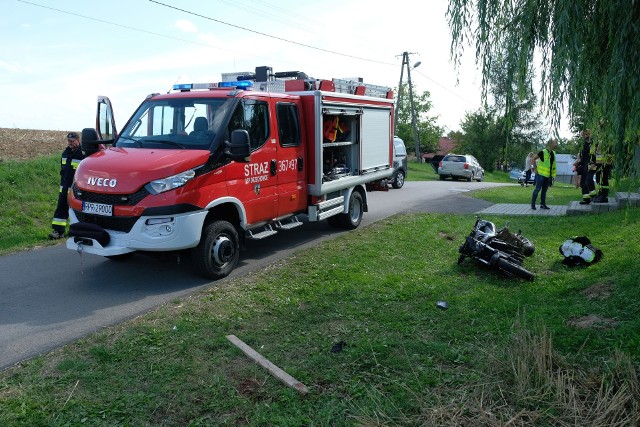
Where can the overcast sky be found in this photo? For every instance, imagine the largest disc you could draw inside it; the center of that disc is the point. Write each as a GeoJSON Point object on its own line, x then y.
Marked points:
{"type": "Point", "coordinates": [57, 57]}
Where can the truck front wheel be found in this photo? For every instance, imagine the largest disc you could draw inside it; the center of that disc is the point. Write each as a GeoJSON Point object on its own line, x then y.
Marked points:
{"type": "Point", "coordinates": [218, 251]}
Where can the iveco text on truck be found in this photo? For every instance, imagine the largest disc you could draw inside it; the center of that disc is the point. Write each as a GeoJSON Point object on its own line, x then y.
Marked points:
{"type": "Point", "coordinates": [207, 167]}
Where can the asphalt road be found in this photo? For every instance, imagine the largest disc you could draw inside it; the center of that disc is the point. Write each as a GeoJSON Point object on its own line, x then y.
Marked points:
{"type": "Point", "coordinates": [52, 296]}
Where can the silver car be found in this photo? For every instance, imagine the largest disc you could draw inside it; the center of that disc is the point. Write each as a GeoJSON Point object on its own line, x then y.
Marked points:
{"type": "Point", "coordinates": [463, 166]}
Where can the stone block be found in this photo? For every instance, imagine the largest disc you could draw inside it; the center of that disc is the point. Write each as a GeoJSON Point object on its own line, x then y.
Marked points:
{"type": "Point", "coordinates": [628, 199]}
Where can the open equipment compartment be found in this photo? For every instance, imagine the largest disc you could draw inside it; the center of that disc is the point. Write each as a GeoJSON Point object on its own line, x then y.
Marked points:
{"type": "Point", "coordinates": [354, 140]}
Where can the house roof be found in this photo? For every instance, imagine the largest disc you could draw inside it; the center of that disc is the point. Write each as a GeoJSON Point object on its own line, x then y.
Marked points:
{"type": "Point", "coordinates": [445, 146]}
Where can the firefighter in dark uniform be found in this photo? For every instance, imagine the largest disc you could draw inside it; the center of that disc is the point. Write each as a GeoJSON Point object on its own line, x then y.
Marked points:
{"type": "Point", "coordinates": [587, 171]}
{"type": "Point", "coordinates": [604, 164]}
{"type": "Point", "coordinates": [69, 161]}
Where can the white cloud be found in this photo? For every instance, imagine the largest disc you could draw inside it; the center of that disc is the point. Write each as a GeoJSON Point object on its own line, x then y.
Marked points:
{"type": "Point", "coordinates": [13, 67]}
{"type": "Point", "coordinates": [186, 26]}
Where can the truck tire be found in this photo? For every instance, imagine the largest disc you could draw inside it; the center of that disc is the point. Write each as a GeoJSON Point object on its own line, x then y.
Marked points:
{"type": "Point", "coordinates": [218, 251]}
{"type": "Point", "coordinates": [398, 180]}
{"type": "Point", "coordinates": [514, 269]}
{"type": "Point", "coordinates": [353, 217]}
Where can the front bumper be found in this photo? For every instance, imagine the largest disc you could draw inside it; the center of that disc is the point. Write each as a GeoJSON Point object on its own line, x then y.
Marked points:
{"type": "Point", "coordinates": [149, 233]}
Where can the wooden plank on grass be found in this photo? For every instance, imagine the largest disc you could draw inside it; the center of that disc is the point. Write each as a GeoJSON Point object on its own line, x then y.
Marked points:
{"type": "Point", "coordinates": [273, 369]}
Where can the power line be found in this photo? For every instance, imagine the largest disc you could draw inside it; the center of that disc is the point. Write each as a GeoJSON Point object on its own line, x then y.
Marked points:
{"type": "Point", "coordinates": [271, 13]}
{"type": "Point", "coordinates": [305, 21]}
{"type": "Point", "coordinates": [305, 45]}
{"type": "Point", "coordinates": [120, 25]}
{"type": "Point", "coordinates": [445, 88]}
{"type": "Point", "coordinates": [231, 25]}
{"type": "Point", "coordinates": [269, 35]}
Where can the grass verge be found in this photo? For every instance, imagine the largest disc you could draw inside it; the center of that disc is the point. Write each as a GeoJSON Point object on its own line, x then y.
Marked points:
{"type": "Point", "coordinates": [425, 172]}
{"type": "Point", "coordinates": [28, 197]}
{"type": "Point", "coordinates": [562, 350]}
{"type": "Point", "coordinates": [559, 194]}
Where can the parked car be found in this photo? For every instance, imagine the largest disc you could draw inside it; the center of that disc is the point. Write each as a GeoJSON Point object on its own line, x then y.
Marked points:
{"type": "Point", "coordinates": [463, 166]}
{"type": "Point", "coordinates": [515, 173]}
{"type": "Point", "coordinates": [522, 179]}
{"type": "Point", "coordinates": [399, 163]}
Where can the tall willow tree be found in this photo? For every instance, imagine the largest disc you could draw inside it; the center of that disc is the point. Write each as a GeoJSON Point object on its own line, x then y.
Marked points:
{"type": "Point", "coordinates": [587, 52]}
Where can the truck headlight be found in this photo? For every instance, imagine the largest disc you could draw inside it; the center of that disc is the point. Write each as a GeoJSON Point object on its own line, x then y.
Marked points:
{"type": "Point", "coordinates": [169, 183]}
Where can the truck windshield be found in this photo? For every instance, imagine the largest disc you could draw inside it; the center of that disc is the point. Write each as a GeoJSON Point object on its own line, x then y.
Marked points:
{"type": "Point", "coordinates": [174, 123]}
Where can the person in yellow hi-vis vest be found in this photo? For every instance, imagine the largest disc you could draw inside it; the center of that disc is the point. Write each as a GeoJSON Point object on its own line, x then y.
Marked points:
{"type": "Point", "coordinates": [69, 161]}
{"type": "Point", "coordinates": [545, 169]}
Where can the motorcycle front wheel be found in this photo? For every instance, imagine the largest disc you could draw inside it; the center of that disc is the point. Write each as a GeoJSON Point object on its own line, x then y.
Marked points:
{"type": "Point", "coordinates": [514, 269]}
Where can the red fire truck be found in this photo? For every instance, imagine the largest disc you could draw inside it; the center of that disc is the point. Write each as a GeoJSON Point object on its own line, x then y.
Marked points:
{"type": "Point", "coordinates": [207, 167]}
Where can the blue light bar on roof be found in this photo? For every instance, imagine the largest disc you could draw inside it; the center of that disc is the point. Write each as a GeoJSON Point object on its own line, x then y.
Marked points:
{"type": "Point", "coordinates": [183, 86]}
{"type": "Point", "coordinates": [239, 84]}
{"type": "Point", "coordinates": [242, 84]}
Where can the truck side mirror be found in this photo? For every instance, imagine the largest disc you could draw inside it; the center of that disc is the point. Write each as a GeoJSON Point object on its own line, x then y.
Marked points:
{"type": "Point", "coordinates": [239, 149]}
{"type": "Point", "coordinates": [89, 141]}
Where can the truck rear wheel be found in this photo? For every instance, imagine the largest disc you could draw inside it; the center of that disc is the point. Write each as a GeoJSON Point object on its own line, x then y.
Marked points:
{"type": "Point", "coordinates": [218, 251]}
{"type": "Point", "coordinates": [353, 217]}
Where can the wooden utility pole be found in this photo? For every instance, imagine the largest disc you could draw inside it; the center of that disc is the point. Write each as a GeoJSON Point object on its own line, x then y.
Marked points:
{"type": "Point", "coordinates": [416, 137]}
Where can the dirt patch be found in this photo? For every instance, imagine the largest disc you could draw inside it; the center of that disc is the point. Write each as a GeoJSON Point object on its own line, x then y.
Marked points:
{"type": "Point", "coordinates": [592, 321]}
{"type": "Point", "coordinates": [27, 144]}
{"type": "Point", "coordinates": [251, 387]}
{"type": "Point", "coordinates": [445, 236]}
{"type": "Point", "coordinates": [599, 291]}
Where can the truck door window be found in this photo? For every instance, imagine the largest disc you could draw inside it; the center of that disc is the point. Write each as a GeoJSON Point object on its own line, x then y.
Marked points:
{"type": "Point", "coordinates": [170, 123]}
{"type": "Point", "coordinates": [252, 116]}
{"type": "Point", "coordinates": [288, 124]}
{"type": "Point", "coordinates": [163, 121]}
{"type": "Point", "coordinates": [106, 119]}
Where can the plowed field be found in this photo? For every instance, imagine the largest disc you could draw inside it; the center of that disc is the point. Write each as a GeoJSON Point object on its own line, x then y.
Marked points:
{"type": "Point", "coordinates": [25, 144]}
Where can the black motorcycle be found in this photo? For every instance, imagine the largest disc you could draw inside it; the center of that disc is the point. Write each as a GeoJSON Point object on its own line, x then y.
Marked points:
{"type": "Point", "coordinates": [500, 249]}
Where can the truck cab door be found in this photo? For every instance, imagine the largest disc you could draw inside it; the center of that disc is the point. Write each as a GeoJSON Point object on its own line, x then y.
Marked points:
{"type": "Point", "coordinates": [105, 122]}
{"type": "Point", "coordinates": [254, 182]}
{"type": "Point", "coordinates": [291, 165]}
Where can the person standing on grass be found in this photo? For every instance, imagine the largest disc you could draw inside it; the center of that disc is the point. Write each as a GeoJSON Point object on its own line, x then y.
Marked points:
{"type": "Point", "coordinates": [544, 166]}
{"type": "Point", "coordinates": [528, 164]}
{"type": "Point", "coordinates": [69, 161]}
{"type": "Point", "coordinates": [578, 171]}
{"type": "Point", "coordinates": [587, 168]}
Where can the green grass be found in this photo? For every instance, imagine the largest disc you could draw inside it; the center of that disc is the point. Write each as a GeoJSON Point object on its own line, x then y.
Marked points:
{"type": "Point", "coordinates": [425, 172]}
{"type": "Point", "coordinates": [498, 176]}
{"type": "Point", "coordinates": [558, 194]}
{"type": "Point", "coordinates": [420, 171]}
{"type": "Point", "coordinates": [28, 197]}
{"type": "Point", "coordinates": [561, 350]}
